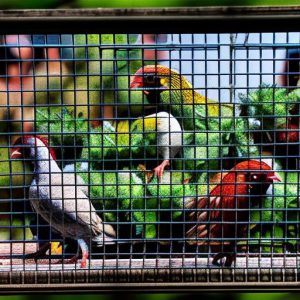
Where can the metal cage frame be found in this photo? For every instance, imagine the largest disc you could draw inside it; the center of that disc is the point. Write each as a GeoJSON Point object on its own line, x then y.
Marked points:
{"type": "Point", "coordinates": [196, 20]}
{"type": "Point", "coordinates": [165, 274]}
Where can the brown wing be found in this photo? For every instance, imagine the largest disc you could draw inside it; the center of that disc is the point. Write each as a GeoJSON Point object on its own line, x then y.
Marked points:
{"type": "Point", "coordinates": [204, 218]}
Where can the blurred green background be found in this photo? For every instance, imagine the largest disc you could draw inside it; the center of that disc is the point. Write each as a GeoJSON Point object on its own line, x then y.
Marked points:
{"type": "Point", "coordinates": [21, 4]}
{"type": "Point", "coordinates": [135, 3]}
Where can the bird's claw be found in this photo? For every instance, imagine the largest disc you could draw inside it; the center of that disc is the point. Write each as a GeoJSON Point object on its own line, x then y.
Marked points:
{"type": "Point", "coordinates": [218, 263]}
{"type": "Point", "coordinates": [218, 259]}
{"type": "Point", "coordinates": [72, 260]}
{"type": "Point", "coordinates": [85, 256]}
{"type": "Point", "coordinates": [159, 170]}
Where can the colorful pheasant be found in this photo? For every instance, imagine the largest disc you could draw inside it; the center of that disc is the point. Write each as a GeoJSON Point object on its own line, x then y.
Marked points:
{"type": "Point", "coordinates": [170, 89]}
{"type": "Point", "coordinates": [211, 127]}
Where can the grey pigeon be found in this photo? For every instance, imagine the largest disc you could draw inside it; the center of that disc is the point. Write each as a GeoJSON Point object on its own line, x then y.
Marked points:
{"type": "Point", "coordinates": [55, 196]}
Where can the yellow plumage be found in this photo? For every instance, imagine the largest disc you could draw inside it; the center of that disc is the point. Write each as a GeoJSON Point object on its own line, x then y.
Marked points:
{"type": "Point", "coordinates": [182, 90]}
{"type": "Point", "coordinates": [56, 248]}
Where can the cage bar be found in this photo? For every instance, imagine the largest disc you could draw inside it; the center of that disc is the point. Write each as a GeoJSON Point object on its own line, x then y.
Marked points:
{"type": "Point", "coordinates": [190, 19]}
{"type": "Point", "coordinates": [169, 149]}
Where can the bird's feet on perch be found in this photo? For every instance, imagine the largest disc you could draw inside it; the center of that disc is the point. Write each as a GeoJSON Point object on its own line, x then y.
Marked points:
{"type": "Point", "coordinates": [159, 170]}
{"type": "Point", "coordinates": [230, 258]}
{"type": "Point", "coordinates": [85, 252]}
{"type": "Point", "coordinates": [73, 260]}
{"type": "Point", "coordinates": [85, 256]}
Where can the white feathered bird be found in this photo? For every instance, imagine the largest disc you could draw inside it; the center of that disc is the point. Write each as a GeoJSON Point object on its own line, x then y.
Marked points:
{"type": "Point", "coordinates": [56, 197]}
{"type": "Point", "coordinates": [168, 134]}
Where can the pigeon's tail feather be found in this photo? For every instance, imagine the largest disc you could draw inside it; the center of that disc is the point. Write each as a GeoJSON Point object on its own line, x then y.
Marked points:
{"type": "Point", "coordinates": [109, 230]}
{"type": "Point", "coordinates": [104, 239]}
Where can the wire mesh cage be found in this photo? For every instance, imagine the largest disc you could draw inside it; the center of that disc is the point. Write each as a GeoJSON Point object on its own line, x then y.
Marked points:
{"type": "Point", "coordinates": [159, 155]}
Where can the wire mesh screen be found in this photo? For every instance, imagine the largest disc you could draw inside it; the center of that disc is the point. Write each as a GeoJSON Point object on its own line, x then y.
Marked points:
{"type": "Point", "coordinates": [151, 158]}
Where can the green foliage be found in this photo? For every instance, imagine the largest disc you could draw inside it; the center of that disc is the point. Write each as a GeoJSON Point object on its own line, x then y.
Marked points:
{"type": "Point", "coordinates": [128, 3]}
{"type": "Point", "coordinates": [243, 139]}
{"type": "Point", "coordinates": [64, 128]}
{"type": "Point", "coordinates": [13, 226]}
{"type": "Point", "coordinates": [101, 143]}
{"type": "Point", "coordinates": [107, 142]}
{"type": "Point", "coordinates": [144, 216]}
{"type": "Point", "coordinates": [162, 199]}
{"type": "Point", "coordinates": [201, 149]}
{"type": "Point", "coordinates": [171, 193]}
{"type": "Point", "coordinates": [113, 63]}
{"type": "Point", "coordinates": [13, 173]}
{"type": "Point", "coordinates": [270, 105]}
{"type": "Point", "coordinates": [124, 196]}
{"type": "Point", "coordinates": [137, 3]}
{"type": "Point", "coordinates": [175, 3]}
{"type": "Point", "coordinates": [265, 296]}
{"type": "Point", "coordinates": [113, 192]}
{"type": "Point", "coordinates": [29, 4]}
{"type": "Point", "coordinates": [278, 215]}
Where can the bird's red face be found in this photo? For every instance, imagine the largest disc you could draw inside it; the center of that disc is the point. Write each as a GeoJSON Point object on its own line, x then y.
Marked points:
{"type": "Point", "coordinates": [259, 177]}
{"type": "Point", "coordinates": [257, 173]}
{"type": "Point", "coordinates": [151, 79]}
{"type": "Point", "coordinates": [255, 166]}
{"type": "Point", "coordinates": [20, 150]}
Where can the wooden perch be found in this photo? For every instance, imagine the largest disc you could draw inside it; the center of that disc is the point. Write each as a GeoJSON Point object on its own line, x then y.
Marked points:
{"type": "Point", "coordinates": [181, 273]}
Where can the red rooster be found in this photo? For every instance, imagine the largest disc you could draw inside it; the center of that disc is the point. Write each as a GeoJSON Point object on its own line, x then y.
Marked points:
{"type": "Point", "coordinates": [223, 217]}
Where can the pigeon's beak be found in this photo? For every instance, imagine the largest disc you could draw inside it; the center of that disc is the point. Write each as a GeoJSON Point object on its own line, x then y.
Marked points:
{"type": "Point", "coordinates": [275, 177]}
{"type": "Point", "coordinates": [15, 153]}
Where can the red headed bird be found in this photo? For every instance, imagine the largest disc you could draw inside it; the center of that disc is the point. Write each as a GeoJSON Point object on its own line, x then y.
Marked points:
{"type": "Point", "coordinates": [223, 216]}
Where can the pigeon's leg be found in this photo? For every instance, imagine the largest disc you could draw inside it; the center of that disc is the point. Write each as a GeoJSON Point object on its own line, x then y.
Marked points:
{"type": "Point", "coordinates": [159, 170]}
{"type": "Point", "coordinates": [85, 252]}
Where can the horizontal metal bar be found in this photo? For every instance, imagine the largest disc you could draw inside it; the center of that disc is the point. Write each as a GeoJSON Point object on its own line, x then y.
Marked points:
{"type": "Point", "coordinates": [192, 273]}
{"type": "Point", "coordinates": [167, 20]}
{"type": "Point", "coordinates": [158, 47]}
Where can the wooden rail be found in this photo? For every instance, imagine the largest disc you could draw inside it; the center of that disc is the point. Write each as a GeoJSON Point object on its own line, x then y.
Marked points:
{"type": "Point", "coordinates": [193, 273]}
